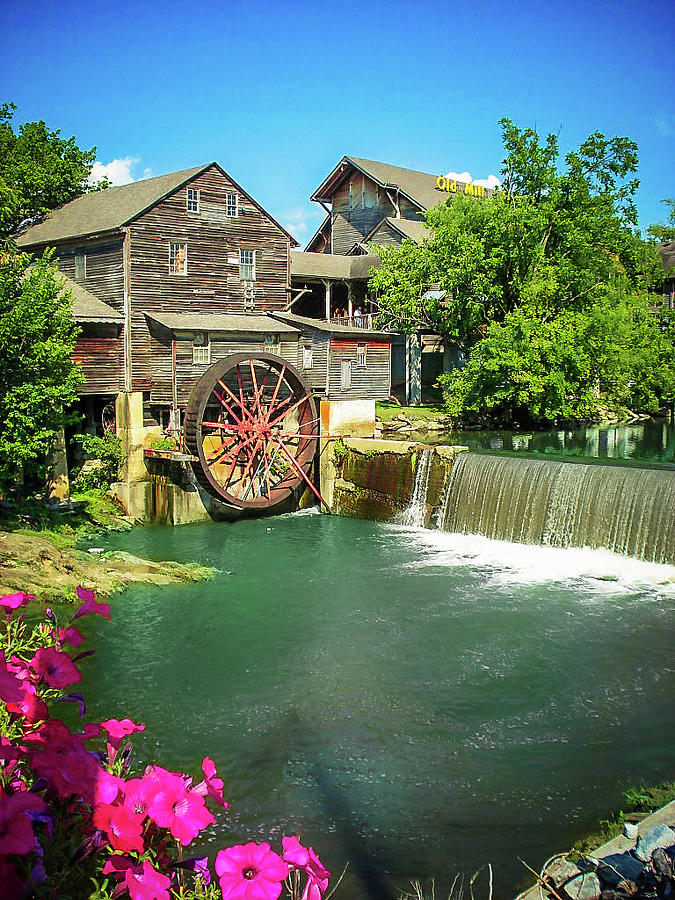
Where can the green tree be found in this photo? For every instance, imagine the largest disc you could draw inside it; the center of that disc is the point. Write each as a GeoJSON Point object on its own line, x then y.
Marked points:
{"type": "Point", "coordinates": [39, 170]}
{"type": "Point", "coordinates": [38, 377]}
{"type": "Point", "coordinates": [664, 231]}
{"type": "Point", "coordinates": [528, 273]}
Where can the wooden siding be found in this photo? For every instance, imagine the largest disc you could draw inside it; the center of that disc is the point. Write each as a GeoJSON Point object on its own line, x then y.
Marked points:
{"type": "Point", "coordinates": [367, 382]}
{"type": "Point", "coordinates": [212, 283]}
{"type": "Point", "coordinates": [352, 224]}
{"type": "Point", "coordinates": [104, 270]}
{"type": "Point", "coordinates": [386, 236]}
{"type": "Point", "coordinates": [99, 352]}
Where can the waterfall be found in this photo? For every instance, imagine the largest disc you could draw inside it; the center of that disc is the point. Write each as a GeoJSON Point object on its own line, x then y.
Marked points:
{"type": "Point", "coordinates": [416, 513]}
{"type": "Point", "coordinates": [563, 504]}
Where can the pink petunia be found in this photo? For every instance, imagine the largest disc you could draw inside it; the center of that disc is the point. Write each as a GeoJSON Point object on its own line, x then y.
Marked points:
{"type": "Point", "coordinates": [108, 787]}
{"type": "Point", "coordinates": [61, 758]}
{"type": "Point", "coordinates": [139, 794]}
{"type": "Point", "coordinates": [250, 872]}
{"type": "Point", "coordinates": [71, 636]}
{"type": "Point", "coordinates": [55, 667]}
{"type": "Point", "coordinates": [13, 601]}
{"type": "Point", "coordinates": [16, 828]}
{"type": "Point", "coordinates": [212, 785]}
{"type": "Point", "coordinates": [142, 880]}
{"type": "Point", "coordinates": [11, 688]}
{"type": "Point", "coordinates": [122, 826]}
{"type": "Point", "coordinates": [306, 860]}
{"type": "Point", "coordinates": [117, 730]}
{"type": "Point", "coordinates": [29, 706]}
{"type": "Point", "coordinates": [176, 807]}
{"type": "Point", "coordinates": [90, 605]}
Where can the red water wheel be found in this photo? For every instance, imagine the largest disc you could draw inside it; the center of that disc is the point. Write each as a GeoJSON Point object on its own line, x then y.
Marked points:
{"type": "Point", "coordinates": [251, 423]}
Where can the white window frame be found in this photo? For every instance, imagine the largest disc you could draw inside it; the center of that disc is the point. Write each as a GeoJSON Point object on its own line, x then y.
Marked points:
{"type": "Point", "coordinates": [246, 268]}
{"type": "Point", "coordinates": [272, 342]}
{"type": "Point", "coordinates": [193, 199]}
{"type": "Point", "coordinates": [80, 261]}
{"type": "Point", "coordinates": [361, 356]}
{"type": "Point", "coordinates": [174, 249]}
{"type": "Point", "coordinates": [201, 348]}
{"type": "Point", "coordinates": [232, 203]}
{"type": "Point", "coordinates": [307, 356]}
{"type": "Point", "coordinates": [345, 374]}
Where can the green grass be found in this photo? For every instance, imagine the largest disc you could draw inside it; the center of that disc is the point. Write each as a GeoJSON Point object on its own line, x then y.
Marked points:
{"type": "Point", "coordinates": [29, 516]}
{"type": "Point", "coordinates": [386, 411]}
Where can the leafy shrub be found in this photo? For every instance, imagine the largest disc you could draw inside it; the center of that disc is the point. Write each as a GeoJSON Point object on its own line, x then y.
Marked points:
{"type": "Point", "coordinates": [108, 450]}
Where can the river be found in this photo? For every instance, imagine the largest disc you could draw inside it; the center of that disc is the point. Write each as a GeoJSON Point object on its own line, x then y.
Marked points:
{"type": "Point", "coordinates": [416, 702]}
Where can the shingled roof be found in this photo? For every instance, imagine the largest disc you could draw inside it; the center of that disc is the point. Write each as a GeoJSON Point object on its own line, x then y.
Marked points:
{"type": "Point", "coordinates": [331, 266]}
{"type": "Point", "coordinates": [419, 187]}
{"type": "Point", "coordinates": [667, 254]}
{"type": "Point", "coordinates": [88, 308]}
{"type": "Point", "coordinates": [407, 228]}
{"type": "Point", "coordinates": [104, 211]}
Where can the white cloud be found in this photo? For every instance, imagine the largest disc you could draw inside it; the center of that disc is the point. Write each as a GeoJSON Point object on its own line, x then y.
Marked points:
{"type": "Point", "coordinates": [302, 221]}
{"type": "Point", "coordinates": [465, 177]}
{"type": "Point", "coordinates": [117, 171]}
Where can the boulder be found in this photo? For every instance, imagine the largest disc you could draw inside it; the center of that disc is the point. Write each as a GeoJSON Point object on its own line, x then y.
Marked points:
{"type": "Point", "coordinates": [619, 867]}
{"type": "Point", "coordinates": [655, 837]}
{"type": "Point", "coordinates": [585, 886]}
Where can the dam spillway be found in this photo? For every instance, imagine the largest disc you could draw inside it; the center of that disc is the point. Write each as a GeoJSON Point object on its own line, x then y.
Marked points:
{"type": "Point", "coordinates": [625, 509]}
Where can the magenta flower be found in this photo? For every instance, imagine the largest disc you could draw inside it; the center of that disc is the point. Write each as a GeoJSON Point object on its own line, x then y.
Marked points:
{"type": "Point", "coordinates": [117, 730]}
{"type": "Point", "coordinates": [250, 872]}
{"type": "Point", "coordinates": [90, 605]}
{"type": "Point", "coordinates": [11, 689]}
{"type": "Point", "coordinates": [13, 601]}
{"type": "Point", "coordinates": [62, 759]}
{"type": "Point", "coordinates": [122, 826]}
{"type": "Point", "coordinates": [139, 793]}
{"type": "Point", "coordinates": [306, 860]}
{"type": "Point", "coordinates": [108, 787]}
{"type": "Point", "coordinates": [143, 881]}
{"type": "Point", "coordinates": [176, 807]}
{"type": "Point", "coordinates": [70, 636]}
{"type": "Point", "coordinates": [29, 706]}
{"type": "Point", "coordinates": [55, 667]}
{"type": "Point", "coordinates": [16, 829]}
{"type": "Point", "coordinates": [212, 785]}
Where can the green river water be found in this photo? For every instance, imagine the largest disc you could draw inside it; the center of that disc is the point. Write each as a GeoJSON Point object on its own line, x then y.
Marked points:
{"type": "Point", "coordinates": [415, 702]}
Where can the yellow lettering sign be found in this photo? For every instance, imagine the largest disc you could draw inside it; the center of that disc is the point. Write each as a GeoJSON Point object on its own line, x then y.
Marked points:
{"type": "Point", "coordinates": [452, 187]}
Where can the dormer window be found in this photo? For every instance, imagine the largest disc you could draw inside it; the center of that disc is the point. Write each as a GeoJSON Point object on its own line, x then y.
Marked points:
{"type": "Point", "coordinates": [233, 205]}
{"type": "Point", "coordinates": [192, 200]}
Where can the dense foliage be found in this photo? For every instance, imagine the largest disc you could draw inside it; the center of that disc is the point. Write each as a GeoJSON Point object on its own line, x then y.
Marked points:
{"type": "Point", "coordinates": [39, 170]}
{"type": "Point", "coordinates": [547, 287]}
{"type": "Point", "coordinates": [38, 377]}
{"type": "Point", "coordinates": [77, 821]}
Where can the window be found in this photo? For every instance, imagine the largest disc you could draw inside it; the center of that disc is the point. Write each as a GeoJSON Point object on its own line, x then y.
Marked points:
{"type": "Point", "coordinates": [192, 200]}
{"type": "Point", "coordinates": [177, 259]}
{"type": "Point", "coordinates": [346, 374]}
{"type": "Point", "coordinates": [247, 265]}
{"type": "Point", "coordinates": [271, 343]}
{"type": "Point", "coordinates": [201, 348]}
{"type": "Point", "coordinates": [307, 360]}
{"type": "Point", "coordinates": [363, 194]}
{"type": "Point", "coordinates": [361, 355]}
{"type": "Point", "coordinates": [232, 204]}
{"type": "Point", "coordinates": [80, 266]}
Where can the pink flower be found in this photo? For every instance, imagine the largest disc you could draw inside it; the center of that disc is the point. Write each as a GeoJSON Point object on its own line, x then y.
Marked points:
{"type": "Point", "coordinates": [14, 601]}
{"type": "Point", "coordinates": [122, 826]}
{"type": "Point", "coordinates": [61, 757]}
{"type": "Point", "coordinates": [306, 860]}
{"type": "Point", "coordinates": [108, 787]}
{"type": "Point", "coordinates": [139, 793]}
{"type": "Point", "coordinates": [250, 872]}
{"type": "Point", "coordinates": [70, 636]}
{"type": "Point", "coordinates": [143, 881]}
{"type": "Point", "coordinates": [55, 667]}
{"type": "Point", "coordinates": [11, 689]}
{"type": "Point", "coordinates": [90, 605]}
{"type": "Point", "coordinates": [212, 785]}
{"type": "Point", "coordinates": [117, 730]}
{"type": "Point", "coordinates": [176, 807]}
{"type": "Point", "coordinates": [16, 828]}
{"type": "Point", "coordinates": [30, 706]}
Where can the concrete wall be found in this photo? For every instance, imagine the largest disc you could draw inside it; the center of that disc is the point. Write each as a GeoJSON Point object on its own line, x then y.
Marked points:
{"type": "Point", "coordinates": [373, 479]}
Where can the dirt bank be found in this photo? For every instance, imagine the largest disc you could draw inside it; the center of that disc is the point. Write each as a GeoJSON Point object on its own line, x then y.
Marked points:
{"type": "Point", "coordinates": [35, 565]}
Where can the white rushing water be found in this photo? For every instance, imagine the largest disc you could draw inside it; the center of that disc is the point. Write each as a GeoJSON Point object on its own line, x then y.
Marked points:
{"type": "Point", "coordinates": [416, 512]}
{"type": "Point", "coordinates": [599, 572]}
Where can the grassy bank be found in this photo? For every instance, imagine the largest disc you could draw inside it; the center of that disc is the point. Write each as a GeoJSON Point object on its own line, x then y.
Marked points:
{"type": "Point", "coordinates": [39, 552]}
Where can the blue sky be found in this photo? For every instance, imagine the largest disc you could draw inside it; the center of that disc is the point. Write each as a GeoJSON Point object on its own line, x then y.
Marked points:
{"type": "Point", "coordinates": [278, 92]}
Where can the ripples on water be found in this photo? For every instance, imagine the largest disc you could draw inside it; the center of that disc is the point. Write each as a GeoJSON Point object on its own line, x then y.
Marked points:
{"type": "Point", "coordinates": [415, 701]}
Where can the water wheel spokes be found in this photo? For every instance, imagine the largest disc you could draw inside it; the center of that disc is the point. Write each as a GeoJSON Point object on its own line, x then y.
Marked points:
{"type": "Point", "coordinates": [251, 423]}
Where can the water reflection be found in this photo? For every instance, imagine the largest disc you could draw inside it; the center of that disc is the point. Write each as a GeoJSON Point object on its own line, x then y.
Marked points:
{"type": "Point", "coordinates": [650, 441]}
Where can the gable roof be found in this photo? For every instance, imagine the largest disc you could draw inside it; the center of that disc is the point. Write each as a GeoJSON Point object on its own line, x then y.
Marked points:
{"type": "Point", "coordinates": [419, 187]}
{"type": "Point", "coordinates": [666, 251]}
{"type": "Point", "coordinates": [332, 327]}
{"type": "Point", "coordinates": [407, 228]}
{"type": "Point", "coordinates": [104, 211]}
{"type": "Point", "coordinates": [222, 322]}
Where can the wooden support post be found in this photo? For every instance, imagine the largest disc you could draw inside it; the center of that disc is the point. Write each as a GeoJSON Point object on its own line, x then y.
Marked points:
{"type": "Point", "coordinates": [328, 290]}
{"type": "Point", "coordinates": [350, 300]}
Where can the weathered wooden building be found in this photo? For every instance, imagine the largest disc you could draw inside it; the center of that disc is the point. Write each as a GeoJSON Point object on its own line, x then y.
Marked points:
{"type": "Point", "coordinates": [173, 273]}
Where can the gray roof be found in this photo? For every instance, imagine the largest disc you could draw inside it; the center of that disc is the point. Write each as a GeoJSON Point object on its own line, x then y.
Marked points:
{"type": "Point", "coordinates": [667, 254]}
{"type": "Point", "coordinates": [420, 187]}
{"type": "Point", "coordinates": [103, 211]}
{"type": "Point", "coordinates": [331, 328]}
{"type": "Point", "coordinates": [407, 228]}
{"type": "Point", "coordinates": [331, 266]}
{"type": "Point", "coordinates": [195, 321]}
{"type": "Point", "coordinates": [88, 308]}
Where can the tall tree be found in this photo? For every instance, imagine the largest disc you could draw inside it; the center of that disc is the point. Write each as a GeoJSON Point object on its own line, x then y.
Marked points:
{"type": "Point", "coordinates": [38, 377]}
{"type": "Point", "coordinates": [39, 170]}
{"type": "Point", "coordinates": [664, 231]}
{"type": "Point", "coordinates": [526, 272]}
